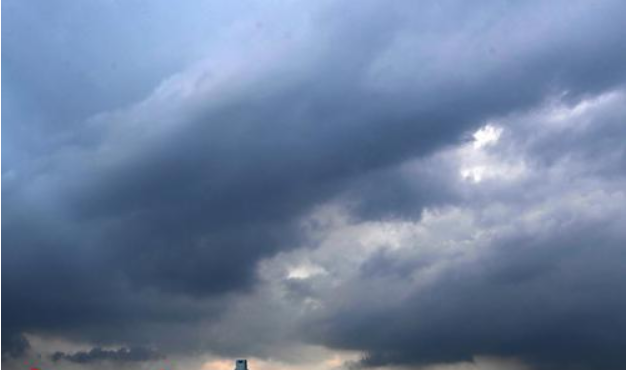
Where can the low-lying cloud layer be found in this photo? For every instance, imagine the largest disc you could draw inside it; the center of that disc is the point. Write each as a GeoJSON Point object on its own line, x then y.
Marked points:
{"type": "Point", "coordinates": [416, 184]}
{"type": "Point", "coordinates": [98, 354]}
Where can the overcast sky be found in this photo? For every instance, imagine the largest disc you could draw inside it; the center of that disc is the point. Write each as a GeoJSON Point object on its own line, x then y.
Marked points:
{"type": "Point", "coordinates": [314, 185]}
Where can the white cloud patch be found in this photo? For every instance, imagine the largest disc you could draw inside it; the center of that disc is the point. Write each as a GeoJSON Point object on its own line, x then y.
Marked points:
{"type": "Point", "coordinates": [478, 161]}
{"type": "Point", "coordinates": [486, 135]}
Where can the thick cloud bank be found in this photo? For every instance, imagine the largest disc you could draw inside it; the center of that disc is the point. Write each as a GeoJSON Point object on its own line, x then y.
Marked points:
{"type": "Point", "coordinates": [417, 183]}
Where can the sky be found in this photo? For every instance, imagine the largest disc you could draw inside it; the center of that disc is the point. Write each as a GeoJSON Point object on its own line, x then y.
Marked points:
{"type": "Point", "coordinates": [328, 185]}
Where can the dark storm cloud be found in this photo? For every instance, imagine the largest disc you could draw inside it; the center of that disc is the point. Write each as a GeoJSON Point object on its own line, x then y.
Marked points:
{"type": "Point", "coordinates": [546, 288]}
{"type": "Point", "coordinates": [401, 192]}
{"type": "Point", "coordinates": [133, 354]}
{"type": "Point", "coordinates": [149, 216]}
{"type": "Point", "coordinates": [553, 301]}
{"type": "Point", "coordinates": [14, 345]}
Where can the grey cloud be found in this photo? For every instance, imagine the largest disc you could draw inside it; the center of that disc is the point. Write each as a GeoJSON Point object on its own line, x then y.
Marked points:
{"type": "Point", "coordinates": [552, 301]}
{"type": "Point", "coordinates": [544, 286]}
{"type": "Point", "coordinates": [14, 345]}
{"type": "Point", "coordinates": [152, 217]}
{"type": "Point", "coordinates": [591, 137]}
{"type": "Point", "coordinates": [402, 192]}
{"type": "Point", "coordinates": [96, 354]}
